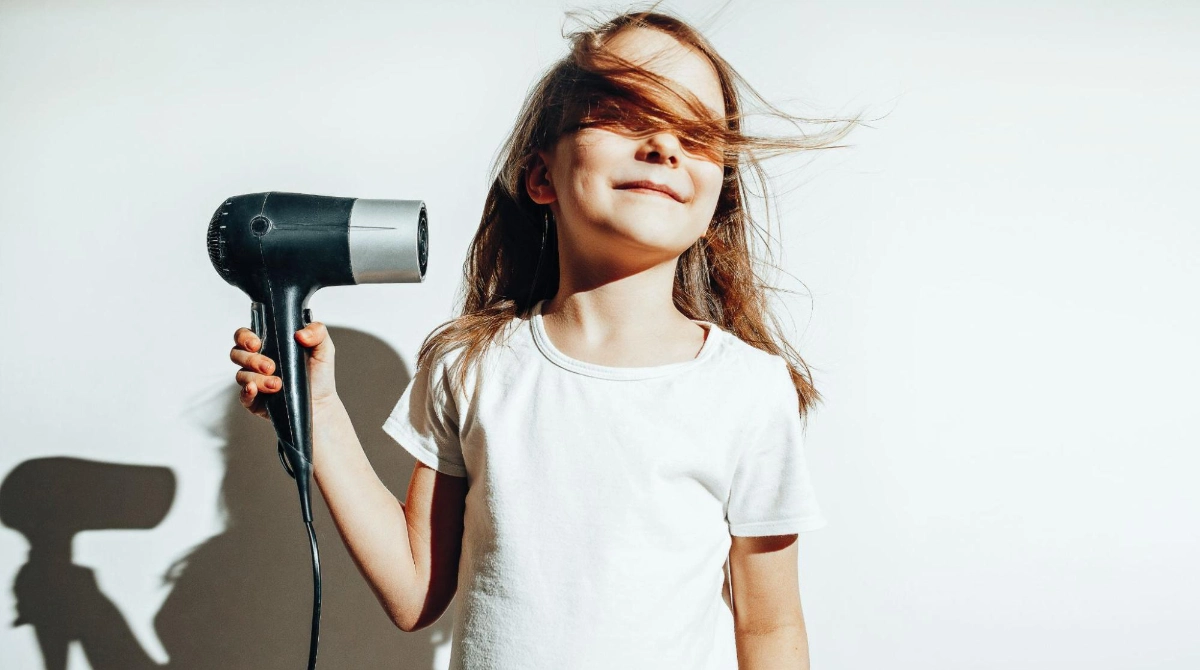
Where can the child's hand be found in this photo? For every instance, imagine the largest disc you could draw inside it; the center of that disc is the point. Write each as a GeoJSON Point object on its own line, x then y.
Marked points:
{"type": "Point", "coordinates": [255, 374]}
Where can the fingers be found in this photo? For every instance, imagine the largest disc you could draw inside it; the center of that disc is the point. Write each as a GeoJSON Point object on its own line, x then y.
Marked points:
{"type": "Point", "coordinates": [314, 334]}
{"type": "Point", "coordinates": [262, 383]}
{"type": "Point", "coordinates": [246, 339]}
{"type": "Point", "coordinates": [244, 355]}
{"type": "Point", "coordinates": [252, 361]}
{"type": "Point", "coordinates": [255, 373]}
{"type": "Point", "coordinates": [248, 397]}
{"type": "Point", "coordinates": [255, 376]}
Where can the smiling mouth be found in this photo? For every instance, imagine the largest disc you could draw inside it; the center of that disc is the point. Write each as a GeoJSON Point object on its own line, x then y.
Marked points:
{"type": "Point", "coordinates": [649, 191]}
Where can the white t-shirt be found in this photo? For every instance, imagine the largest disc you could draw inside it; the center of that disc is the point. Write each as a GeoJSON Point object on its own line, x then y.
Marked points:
{"type": "Point", "coordinates": [601, 500]}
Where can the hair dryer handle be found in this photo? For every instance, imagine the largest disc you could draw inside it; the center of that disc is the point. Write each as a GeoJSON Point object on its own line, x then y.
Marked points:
{"type": "Point", "coordinates": [275, 322]}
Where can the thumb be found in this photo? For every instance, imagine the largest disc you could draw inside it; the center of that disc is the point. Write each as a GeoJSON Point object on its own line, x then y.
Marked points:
{"type": "Point", "coordinates": [316, 336]}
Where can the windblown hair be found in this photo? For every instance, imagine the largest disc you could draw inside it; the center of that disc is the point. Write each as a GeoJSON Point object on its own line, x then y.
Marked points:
{"type": "Point", "coordinates": [510, 267]}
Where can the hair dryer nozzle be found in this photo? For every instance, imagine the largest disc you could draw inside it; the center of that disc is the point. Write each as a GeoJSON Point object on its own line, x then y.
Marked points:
{"type": "Point", "coordinates": [389, 241]}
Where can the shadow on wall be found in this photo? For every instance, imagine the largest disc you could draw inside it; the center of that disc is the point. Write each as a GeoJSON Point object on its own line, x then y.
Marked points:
{"type": "Point", "coordinates": [242, 598]}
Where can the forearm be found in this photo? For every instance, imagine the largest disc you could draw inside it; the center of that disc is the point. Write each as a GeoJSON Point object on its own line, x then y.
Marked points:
{"type": "Point", "coordinates": [777, 649]}
{"type": "Point", "coordinates": [369, 518]}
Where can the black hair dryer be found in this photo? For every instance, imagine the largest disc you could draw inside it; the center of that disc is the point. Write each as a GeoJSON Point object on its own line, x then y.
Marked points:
{"type": "Point", "coordinates": [280, 248]}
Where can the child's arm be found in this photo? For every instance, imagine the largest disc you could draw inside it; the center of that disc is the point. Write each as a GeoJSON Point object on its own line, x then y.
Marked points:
{"type": "Point", "coordinates": [768, 621]}
{"type": "Point", "coordinates": [408, 553]}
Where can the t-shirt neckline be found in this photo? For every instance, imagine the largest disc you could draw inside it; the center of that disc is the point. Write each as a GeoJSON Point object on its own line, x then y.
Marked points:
{"type": "Point", "coordinates": [542, 339]}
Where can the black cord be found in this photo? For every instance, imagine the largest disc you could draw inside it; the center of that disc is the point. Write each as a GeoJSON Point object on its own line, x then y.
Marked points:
{"type": "Point", "coordinates": [315, 635]}
{"type": "Point", "coordinates": [316, 616]}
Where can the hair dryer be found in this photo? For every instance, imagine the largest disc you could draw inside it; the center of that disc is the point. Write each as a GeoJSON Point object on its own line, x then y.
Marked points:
{"type": "Point", "coordinates": [280, 248]}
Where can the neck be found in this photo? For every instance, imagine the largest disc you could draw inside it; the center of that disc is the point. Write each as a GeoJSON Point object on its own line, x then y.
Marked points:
{"type": "Point", "coordinates": [635, 306]}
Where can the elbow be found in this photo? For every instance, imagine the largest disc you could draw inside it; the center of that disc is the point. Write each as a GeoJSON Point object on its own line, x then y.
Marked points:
{"type": "Point", "coordinates": [403, 612]}
{"type": "Point", "coordinates": [411, 624]}
{"type": "Point", "coordinates": [416, 625]}
{"type": "Point", "coordinates": [431, 610]}
{"type": "Point", "coordinates": [401, 619]}
{"type": "Point", "coordinates": [424, 604]}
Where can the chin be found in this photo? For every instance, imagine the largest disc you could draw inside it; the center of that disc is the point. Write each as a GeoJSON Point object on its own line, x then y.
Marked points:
{"type": "Point", "coordinates": [660, 245]}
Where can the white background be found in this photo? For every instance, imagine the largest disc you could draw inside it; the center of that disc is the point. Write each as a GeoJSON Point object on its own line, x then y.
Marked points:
{"type": "Point", "coordinates": [998, 297]}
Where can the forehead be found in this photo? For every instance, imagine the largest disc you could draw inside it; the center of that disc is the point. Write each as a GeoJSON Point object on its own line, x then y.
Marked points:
{"type": "Point", "coordinates": [663, 55]}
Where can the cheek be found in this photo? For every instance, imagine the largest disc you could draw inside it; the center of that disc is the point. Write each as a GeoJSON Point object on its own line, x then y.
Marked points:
{"type": "Point", "coordinates": [708, 182]}
{"type": "Point", "coordinates": [576, 165]}
{"type": "Point", "coordinates": [593, 174]}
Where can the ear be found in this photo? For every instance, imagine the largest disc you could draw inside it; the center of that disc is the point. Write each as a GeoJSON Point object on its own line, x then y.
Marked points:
{"type": "Point", "coordinates": [537, 180]}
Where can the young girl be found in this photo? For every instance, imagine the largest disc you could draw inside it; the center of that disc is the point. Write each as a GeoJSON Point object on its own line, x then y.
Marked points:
{"type": "Point", "coordinates": [610, 469]}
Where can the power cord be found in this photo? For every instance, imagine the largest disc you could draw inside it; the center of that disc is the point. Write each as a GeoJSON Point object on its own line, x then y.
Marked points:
{"type": "Point", "coordinates": [315, 635]}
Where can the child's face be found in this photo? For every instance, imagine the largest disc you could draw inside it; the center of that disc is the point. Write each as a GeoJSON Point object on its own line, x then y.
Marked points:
{"type": "Point", "coordinates": [586, 178]}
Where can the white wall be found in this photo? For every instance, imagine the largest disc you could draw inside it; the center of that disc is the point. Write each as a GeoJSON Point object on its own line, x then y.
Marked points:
{"type": "Point", "coordinates": [1002, 275]}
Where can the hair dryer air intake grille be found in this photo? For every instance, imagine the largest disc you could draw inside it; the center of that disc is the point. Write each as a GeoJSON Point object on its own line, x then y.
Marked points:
{"type": "Point", "coordinates": [216, 244]}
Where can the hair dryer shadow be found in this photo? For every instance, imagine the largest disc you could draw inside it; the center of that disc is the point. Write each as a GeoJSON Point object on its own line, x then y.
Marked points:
{"type": "Point", "coordinates": [240, 599]}
{"type": "Point", "coordinates": [49, 500]}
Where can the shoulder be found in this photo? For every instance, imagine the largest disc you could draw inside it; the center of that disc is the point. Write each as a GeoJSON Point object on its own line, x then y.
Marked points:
{"type": "Point", "coordinates": [763, 378]}
{"type": "Point", "coordinates": [437, 372]}
{"type": "Point", "coordinates": [461, 366]}
{"type": "Point", "coordinates": [755, 364]}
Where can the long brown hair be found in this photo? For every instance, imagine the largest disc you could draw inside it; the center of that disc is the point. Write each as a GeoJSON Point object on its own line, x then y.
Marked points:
{"type": "Point", "coordinates": [510, 266]}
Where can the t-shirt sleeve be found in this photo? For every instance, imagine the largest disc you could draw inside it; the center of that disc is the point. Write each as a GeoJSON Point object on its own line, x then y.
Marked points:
{"type": "Point", "coordinates": [770, 493]}
{"type": "Point", "coordinates": [425, 421]}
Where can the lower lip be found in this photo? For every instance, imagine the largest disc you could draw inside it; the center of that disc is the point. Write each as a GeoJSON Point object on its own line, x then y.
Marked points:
{"type": "Point", "coordinates": [648, 191]}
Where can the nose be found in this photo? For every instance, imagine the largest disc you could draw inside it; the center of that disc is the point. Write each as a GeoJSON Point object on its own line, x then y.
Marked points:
{"type": "Point", "coordinates": [661, 147]}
